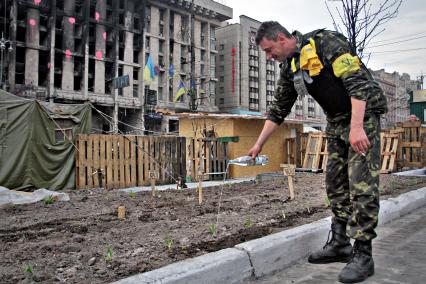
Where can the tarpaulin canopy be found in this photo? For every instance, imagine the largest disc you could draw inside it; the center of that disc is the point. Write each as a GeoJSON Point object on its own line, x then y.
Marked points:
{"type": "Point", "coordinates": [37, 142]}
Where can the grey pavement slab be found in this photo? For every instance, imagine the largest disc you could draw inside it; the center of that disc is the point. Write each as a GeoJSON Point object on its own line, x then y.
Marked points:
{"type": "Point", "coordinates": [399, 254]}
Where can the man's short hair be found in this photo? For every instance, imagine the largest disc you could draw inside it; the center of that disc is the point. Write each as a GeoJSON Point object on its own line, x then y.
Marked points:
{"type": "Point", "coordinates": [270, 30]}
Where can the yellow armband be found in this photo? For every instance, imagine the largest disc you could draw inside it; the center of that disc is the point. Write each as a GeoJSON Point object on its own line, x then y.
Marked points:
{"type": "Point", "coordinates": [345, 64]}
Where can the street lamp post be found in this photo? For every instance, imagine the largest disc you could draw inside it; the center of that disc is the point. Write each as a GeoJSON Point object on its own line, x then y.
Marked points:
{"type": "Point", "coordinates": [3, 44]}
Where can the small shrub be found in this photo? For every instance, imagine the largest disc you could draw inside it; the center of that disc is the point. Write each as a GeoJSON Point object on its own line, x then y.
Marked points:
{"type": "Point", "coordinates": [169, 241]}
{"type": "Point", "coordinates": [248, 223]}
{"type": "Point", "coordinates": [48, 200]}
{"type": "Point", "coordinates": [212, 230]}
{"type": "Point", "coordinates": [28, 269]}
{"type": "Point", "coordinates": [108, 256]}
{"type": "Point", "coordinates": [132, 194]}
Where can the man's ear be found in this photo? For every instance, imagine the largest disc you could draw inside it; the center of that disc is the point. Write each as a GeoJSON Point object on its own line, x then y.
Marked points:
{"type": "Point", "coordinates": [281, 37]}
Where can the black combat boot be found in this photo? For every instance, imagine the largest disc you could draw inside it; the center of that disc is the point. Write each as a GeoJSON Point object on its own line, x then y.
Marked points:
{"type": "Point", "coordinates": [361, 265]}
{"type": "Point", "coordinates": [336, 249]}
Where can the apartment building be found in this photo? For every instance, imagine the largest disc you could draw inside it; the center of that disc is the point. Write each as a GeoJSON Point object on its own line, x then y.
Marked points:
{"type": "Point", "coordinates": [396, 88]}
{"type": "Point", "coordinates": [247, 80]}
{"type": "Point", "coordinates": [71, 51]}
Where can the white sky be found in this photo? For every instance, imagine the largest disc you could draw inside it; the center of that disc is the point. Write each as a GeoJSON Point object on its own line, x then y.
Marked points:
{"type": "Point", "coordinates": [308, 15]}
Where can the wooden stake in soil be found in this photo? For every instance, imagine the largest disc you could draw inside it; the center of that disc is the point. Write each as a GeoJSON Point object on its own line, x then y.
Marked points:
{"type": "Point", "coordinates": [153, 176]}
{"type": "Point", "coordinates": [200, 188]}
{"type": "Point", "coordinates": [121, 212]}
{"type": "Point", "coordinates": [289, 171]}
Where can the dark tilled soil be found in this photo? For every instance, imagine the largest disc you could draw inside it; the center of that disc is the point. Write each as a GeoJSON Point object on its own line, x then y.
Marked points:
{"type": "Point", "coordinates": [83, 241]}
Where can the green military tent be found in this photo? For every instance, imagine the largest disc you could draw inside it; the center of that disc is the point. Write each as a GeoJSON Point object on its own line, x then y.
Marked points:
{"type": "Point", "coordinates": [37, 142]}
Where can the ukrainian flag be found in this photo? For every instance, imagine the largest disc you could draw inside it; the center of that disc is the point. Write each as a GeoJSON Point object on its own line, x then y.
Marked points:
{"type": "Point", "coordinates": [180, 91]}
{"type": "Point", "coordinates": [148, 71]}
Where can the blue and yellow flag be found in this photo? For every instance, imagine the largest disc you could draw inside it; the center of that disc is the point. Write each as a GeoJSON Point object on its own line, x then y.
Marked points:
{"type": "Point", "coordinates": [149, 71]}
{"type": "Point", "coordinates": [171, 70]}
{"type": "Point", "coordinates": [180, 91]}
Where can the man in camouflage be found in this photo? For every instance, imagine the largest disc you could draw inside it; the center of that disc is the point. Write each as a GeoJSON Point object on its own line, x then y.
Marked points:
{"type": "Point", "coordinates": [321, 63]}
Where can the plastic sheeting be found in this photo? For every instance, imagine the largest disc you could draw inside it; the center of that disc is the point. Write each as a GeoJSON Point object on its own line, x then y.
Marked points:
{"type": "Point", "coordinates": [15, 197]}
{"type": "Point", "coordinates": [31, 155]}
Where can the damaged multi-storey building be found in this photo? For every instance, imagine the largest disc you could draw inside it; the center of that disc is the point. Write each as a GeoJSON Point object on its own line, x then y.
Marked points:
{"type": "Point", "coordinates": [72, 51]}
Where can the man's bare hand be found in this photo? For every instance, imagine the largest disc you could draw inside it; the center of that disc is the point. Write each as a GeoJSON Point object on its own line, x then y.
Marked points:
{"type": "Point", "coordinates": [359, 140]}
{"type": "Point", "coordinates": [254, 151]}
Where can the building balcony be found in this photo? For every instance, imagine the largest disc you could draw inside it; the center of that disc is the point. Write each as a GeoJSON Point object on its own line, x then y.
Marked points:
{"type": "Point", "coordinates": [253, 63]}
{"type": "Point", "coordinates": [253, 95]}
{"type": "Point", "coordinates": [270, 87]}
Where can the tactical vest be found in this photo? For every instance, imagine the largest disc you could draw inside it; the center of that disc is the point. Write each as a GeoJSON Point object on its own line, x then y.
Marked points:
{"type": "Point", "coordinates": [325, 88]}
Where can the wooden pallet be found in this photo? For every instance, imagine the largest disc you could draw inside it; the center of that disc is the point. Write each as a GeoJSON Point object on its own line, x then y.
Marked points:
{"type": "Point", "coordinates": [388, 152]}
{"type": "Point", "coordinates": [411, 149]}
{"type": "Point", "coordinates": [316, 154]}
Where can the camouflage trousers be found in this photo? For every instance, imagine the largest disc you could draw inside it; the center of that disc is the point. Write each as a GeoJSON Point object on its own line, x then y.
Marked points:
{"type": "Point", "coordinates": [352, 180]}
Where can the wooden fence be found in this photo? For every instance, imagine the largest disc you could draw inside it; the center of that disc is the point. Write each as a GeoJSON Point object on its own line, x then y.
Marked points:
{"type": "Point", "coordinates": [116, 161]}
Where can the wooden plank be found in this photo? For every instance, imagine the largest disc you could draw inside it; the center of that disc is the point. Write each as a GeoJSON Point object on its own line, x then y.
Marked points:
{"type": "Point", "coordinates": [394, 150]}
{"type": "Point", "coordinates": [102, 156]}
{"type": "Point", "coordinates": [133, 161]}
{"type": "Point", "coordinates": [152, 150]}
{"type": "Point", "coordinates": [89, 164]}
{"type": "Point", "coordinates": [325, 156]}
{"type": "Point", "coordinates": [171, 163]}
{"type": "Point", "coordinates": [146, 159]}
{"type": "Point", "coordinates": [306, 160]}
{"type": "Point", "coordinates": [95, 157]}
{"type": "Point", "coordinates": [116, 161]}
{"type": "Point", "coordinates": [208, 156]}
{"type": "Point", "coordinates": [386, 155]}
{"type": "Point", "coordinates": [109, 180]}
{"type": "Point", "coordinates": [182, 161]}
{"type": "Point", "coordinates": [317, 152]}
{"type": "Point", "coordinates": [192, 158]}
{"type": "Point", "coordinates": [139, 161]}
{"type": "Point", "coordinates": [126, 160]}
{"type": "Point", "coordinates": [177, 167]}
{"type": "Point", "coordinates": [81, 161]}
{"type": "Point", "coordinates": [121, 161]}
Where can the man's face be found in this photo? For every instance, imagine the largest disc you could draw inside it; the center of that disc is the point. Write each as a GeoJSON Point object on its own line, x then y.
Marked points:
{"type": "Point", "coordinates": [278, 49]}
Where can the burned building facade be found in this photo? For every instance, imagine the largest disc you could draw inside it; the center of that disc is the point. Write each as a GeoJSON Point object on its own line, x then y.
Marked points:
{"type": "Point", "coordinates": [72, 51]}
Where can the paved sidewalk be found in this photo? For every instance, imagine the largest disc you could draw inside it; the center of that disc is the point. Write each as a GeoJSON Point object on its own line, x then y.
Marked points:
{"type": "Point", "coordinates": [399, 253]}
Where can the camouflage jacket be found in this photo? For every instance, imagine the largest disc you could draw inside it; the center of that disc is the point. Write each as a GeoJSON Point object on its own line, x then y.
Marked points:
{"type": "Point", "coordinates": [359, 84]}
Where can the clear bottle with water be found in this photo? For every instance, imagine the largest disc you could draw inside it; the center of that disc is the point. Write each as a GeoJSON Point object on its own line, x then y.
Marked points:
{"type": "Point", "coordinates": [244, 161]}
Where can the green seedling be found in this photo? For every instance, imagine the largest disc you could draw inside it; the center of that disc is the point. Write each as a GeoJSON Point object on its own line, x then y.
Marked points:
{"type": "Point", "coordinates": [248, 223]}
{"type": "Point", "coordinates": [212, 230]}
{"type": "Point", "coordinates": [327, 202]}
{"type": "Point", "coordinates": [132, 194]}
{"type": "Point", "coordinates": [28, 269]}
{"type": "Point", "coordinates": [283, 215]}
{"type": "Point", "coordinates": [108, 256]}
{"type": "Point", "coordinates": [169, 241]}
{"type": "Point", "coordinates": [48, 200]}
{"type": "Point", "coordinates": [381, 188]}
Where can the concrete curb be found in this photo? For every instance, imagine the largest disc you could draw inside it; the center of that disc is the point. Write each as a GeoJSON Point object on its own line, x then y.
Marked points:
{"type": "Point", "coordinates": [268, 254]}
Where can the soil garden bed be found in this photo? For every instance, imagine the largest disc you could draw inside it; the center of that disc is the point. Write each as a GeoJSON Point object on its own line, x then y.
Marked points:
{"type": "Point", "coordinates": [83, 241]}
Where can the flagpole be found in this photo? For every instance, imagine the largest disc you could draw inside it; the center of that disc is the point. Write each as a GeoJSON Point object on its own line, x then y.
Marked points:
{"type": "Point", "coordinates": [193, 104]}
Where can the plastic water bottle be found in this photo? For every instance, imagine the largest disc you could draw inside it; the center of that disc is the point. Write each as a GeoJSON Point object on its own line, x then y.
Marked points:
{"type": "Point", "coordinates": [248, 161]}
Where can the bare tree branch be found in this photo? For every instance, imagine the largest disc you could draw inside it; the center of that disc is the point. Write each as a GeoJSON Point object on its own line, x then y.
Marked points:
{"type": "Point", "coordinates": [361, 20]}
